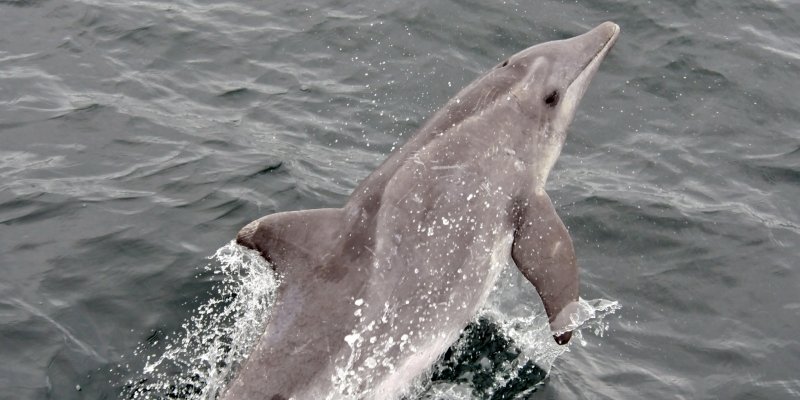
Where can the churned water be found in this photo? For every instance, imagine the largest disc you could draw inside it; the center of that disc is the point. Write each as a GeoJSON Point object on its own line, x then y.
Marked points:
{"type": "Point", "coordinates": [136, 138]}
{"type": "Point", "coordinates": [198, 361]}
{"type": "Point", "coordinates": [509, 346]}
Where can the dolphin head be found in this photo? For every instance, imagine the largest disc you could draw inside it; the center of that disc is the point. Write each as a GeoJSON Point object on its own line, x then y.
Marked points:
{"type": "Point", "coordinates": [538, 88]}
{"type": "Point", "coordinates": [549, 81]}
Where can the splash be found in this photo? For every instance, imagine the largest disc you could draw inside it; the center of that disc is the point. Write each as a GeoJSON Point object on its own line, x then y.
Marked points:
{"type": "Point", "coordinates": [198, 362]}
{"type": "Point", "coordinates": [533, 334]}
{"type": "Point", "coordinates": [505, 353]}
{"type": "Point", "coordinates": [509, 350]}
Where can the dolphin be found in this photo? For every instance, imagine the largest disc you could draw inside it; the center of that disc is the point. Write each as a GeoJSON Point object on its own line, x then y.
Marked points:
{"type": "Point", "coordinates": [374, 292]}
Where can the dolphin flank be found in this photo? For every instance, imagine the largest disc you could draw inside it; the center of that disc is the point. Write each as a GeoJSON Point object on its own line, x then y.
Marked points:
{"type": "Point", "coordinates": [374, 292]}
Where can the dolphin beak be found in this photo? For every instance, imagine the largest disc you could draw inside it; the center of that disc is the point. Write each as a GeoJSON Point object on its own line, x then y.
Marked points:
{"type": "Point", "coordinates": [597, 42]}
{"type": "Point", "coordinates": [592, 48]}
{"type": "Point", "coordinates": [609, 30]}
{"type": "Point", "coordinates": [599, 39]}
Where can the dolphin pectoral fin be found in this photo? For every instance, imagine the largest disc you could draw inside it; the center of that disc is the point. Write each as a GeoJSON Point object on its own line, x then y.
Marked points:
{"type": "Point", "coordinates": [293, 237]}
{"type": "Point", "coordinates": [543, 252]}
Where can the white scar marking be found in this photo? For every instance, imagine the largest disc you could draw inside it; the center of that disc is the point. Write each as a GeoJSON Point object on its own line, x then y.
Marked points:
{"type": "Point", "coordinates": [556, 247]}
{"type": "Point", "coordinates": [455, 166]}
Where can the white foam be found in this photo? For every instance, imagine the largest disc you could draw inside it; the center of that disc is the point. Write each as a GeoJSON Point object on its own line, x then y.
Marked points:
{"type": "Point", "coordinates": [198, 362]}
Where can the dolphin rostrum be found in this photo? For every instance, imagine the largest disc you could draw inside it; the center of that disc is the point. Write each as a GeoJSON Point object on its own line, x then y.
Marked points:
{"type": "Point", "coordinates": [373, 292]}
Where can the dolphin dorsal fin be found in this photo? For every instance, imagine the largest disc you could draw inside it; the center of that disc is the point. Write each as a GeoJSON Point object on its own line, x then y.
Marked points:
{"type": "Point", "coordinates": [288, 238]}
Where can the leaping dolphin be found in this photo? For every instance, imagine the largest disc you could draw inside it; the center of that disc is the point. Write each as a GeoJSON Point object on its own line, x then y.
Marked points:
{"type": "Point", "coordinates": [375, 291]}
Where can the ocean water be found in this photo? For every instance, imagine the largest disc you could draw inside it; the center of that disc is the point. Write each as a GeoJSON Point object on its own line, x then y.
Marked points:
{"type": "Point", "coordinates": [136, 138]}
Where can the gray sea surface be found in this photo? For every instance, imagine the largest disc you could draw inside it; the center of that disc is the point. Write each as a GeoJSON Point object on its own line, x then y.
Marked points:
{"type": "Point", "coordinates": [137, 137]}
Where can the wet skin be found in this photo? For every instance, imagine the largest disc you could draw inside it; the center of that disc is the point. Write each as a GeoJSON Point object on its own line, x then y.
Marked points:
{"type": "Point", "coordinates": [373, 292]}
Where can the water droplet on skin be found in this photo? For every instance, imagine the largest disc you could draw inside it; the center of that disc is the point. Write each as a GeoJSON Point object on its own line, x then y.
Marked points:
{"type": "Point", "coordinates": [351, 339]}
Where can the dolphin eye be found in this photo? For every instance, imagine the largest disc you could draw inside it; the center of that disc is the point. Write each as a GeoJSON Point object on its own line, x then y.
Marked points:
{"type": "Point", "coordinates": [551, 99]}
{"type": "Point", "coordinates": [504, 63]}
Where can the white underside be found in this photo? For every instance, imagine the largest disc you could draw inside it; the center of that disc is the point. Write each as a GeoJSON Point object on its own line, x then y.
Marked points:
{"type": "Point", "coordinates": [417, 364]}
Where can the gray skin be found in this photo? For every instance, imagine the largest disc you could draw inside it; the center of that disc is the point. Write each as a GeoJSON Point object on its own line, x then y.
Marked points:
{"type": "Point", "coordinates": [373, 292]}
